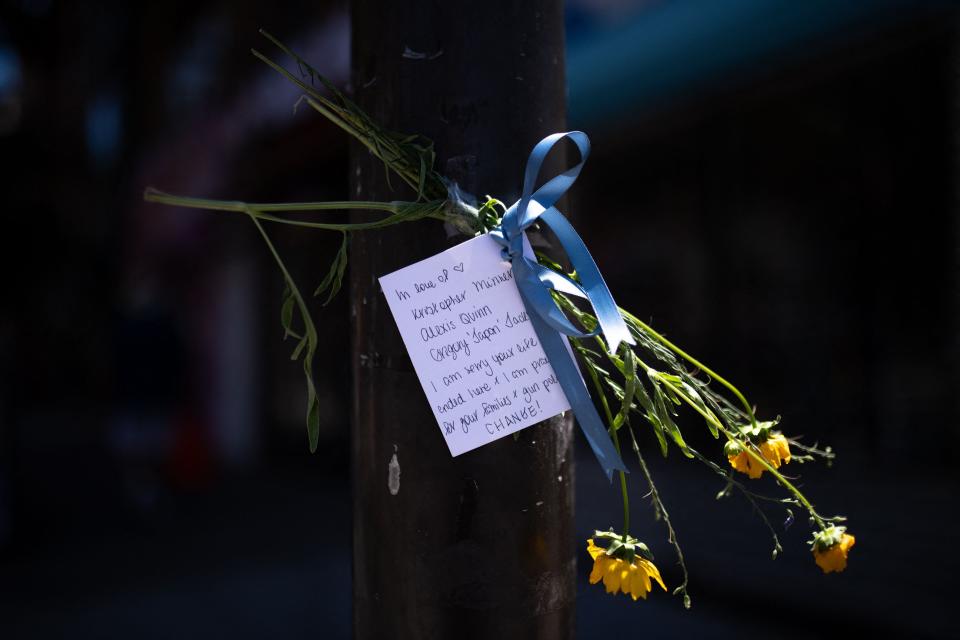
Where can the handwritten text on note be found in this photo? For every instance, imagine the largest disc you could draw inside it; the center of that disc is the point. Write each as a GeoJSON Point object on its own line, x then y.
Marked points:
{"type": "Point", "coordinates": [472, 344]}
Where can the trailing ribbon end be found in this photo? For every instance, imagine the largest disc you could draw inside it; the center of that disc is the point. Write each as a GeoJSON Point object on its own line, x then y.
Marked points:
{"type": "Point", "coordinates": [568, 375]}
{"type": "Point", "coordinates": [535, 283]}
{"type": "Point", "coordinates": [594, 289]}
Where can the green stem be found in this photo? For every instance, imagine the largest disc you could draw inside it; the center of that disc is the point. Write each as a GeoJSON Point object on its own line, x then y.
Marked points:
{"type": "Point", "coordinates": [391, 160]}
{"type": "Point", "coordinates": [709, 417]}
{"type": "Point", "coordinates": [662, 510]}
{"type": "Point", "coordinates": [324, 106]}
{"type": "Point", "coordinates": [283, 268]}
{"type": "Point", "coordinates": [746, 447]}
{"type": "Point", "coordinates": [750, 496]}
{"type": "Point", "coordinates": [616, 444]}
{"type": "Point", "coordinates": [154, 195]}
{"type": "Point", "coordinates": [259, 210]}
{"type": "Point", "coordinates": [686, 356]}
{"type": "Point", "coordinates": [623, 482]}
{"type": "Point", "coordinates": [310, 332]}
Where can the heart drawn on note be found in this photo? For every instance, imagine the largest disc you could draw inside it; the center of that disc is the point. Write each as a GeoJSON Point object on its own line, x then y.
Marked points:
{"type": "Point", "coordinates": [458, 267]}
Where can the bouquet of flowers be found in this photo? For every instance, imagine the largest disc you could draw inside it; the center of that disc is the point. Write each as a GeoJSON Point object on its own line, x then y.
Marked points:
{"type": "Point", "coordinates": [638, 386]}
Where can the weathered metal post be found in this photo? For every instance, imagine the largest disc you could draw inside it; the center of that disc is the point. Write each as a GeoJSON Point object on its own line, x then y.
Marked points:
{"type": "Point", "coordinates": [479, 546]}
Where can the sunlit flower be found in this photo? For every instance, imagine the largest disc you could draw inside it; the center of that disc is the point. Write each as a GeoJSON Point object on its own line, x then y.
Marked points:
{"type": "Point", "coordinates": [775, 450]}
{"type": "Point", "coordinates": [830, 548]}
{"type": "Point", "coordinates": [619, 574]}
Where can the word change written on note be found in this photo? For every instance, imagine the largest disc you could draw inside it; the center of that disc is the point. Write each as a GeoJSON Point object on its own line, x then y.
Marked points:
{"type": "Point", "coordinates": [472, 344]}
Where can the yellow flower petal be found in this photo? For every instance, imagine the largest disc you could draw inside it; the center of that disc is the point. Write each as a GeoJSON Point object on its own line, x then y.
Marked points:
{"type": "Point", "coordinates": [743, 463]}
{"type": "Point", "coordinates": [755, 469]}
{"type": "Point", "coordinates": [626, 570]}
{"type": "Point", "coordinates": [834, 558]}
{"type": "Point", "coordinates": [618, 574]}
{"type": "Point", "coordinates": [652, 571]}
{"type": "Point", "coordinates": [770, 453]}
{"type": "Point", "coordinates": [847, 541]}
{"type": "Point", "coordinates": [775, 450]}
{"type": "Point", "coordinates": [594, 550]}
{"type": "Point", "coordinates": [737, 462]}
{"type": "Point", "coordinates": [598, 566]}
{"type": "Point", "coordinates": [639, 583]}
{"type": "Point", "coordinates": [784, 447]}
{"type": "Point", "coordinates": [611, 576]}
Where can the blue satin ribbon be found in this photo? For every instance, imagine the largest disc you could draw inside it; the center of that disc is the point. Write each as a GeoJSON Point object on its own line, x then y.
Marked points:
{"type": "Point", "coordinates": [536, 281]}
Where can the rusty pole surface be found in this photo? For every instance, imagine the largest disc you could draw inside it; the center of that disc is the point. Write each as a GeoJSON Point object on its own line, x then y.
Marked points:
{"type": "Point", "coordinates": [478, 546]}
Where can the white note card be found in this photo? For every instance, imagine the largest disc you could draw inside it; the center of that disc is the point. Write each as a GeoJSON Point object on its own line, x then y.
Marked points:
{"type": "Point", "coordinates": [472, 344]}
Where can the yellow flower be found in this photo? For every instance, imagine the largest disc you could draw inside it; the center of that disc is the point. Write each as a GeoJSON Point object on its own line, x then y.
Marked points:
{"type": "Point", "coordinates": [775, 450]}
{"type": "Point", "coordinates": [830, 548]}
{"type": "Point", "coordinates": [631, 577]}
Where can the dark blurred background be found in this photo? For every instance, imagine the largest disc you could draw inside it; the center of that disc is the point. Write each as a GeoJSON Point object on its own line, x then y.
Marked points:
{"type": "Point", "coordinates": [773, 184]}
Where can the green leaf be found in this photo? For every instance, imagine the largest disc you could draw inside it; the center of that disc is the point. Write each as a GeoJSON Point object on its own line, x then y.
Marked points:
{"type": "Point", "coordinates": [651, 416]}
{"type": "Point", "coordinates": [299, 349]}
{"type": "Point", "coordinates": [334, 278]}
{"type": "Point", "coordinates": [669, 377]}
{"type": "Point", "coordinates": [308, 345]}
{"type": "Point", "coordinates": [615, 545]}
{"type": "Point", "coordinates": [411, 157]}
{"type": "Point", "coordinates": [286, 314]}
{"type": "Point", "coordinates": [630, 377]}
{"type": "Point", "coordinates": [644, 551]}
{"type": "Point", "coordinates": [697, 399]}
{"type": "Point", "coordinates": [664, 414]}
{"type": "Point", "coordinates": [617, 389]}
{"type": "Point", "coordinates": [547, 261]}
{"type": "Point", "coordinates": [658, 430]}
{"type": "Point", "coordinates": [308, 70]}
{"type": "Point", "coordinates": [422, 182]}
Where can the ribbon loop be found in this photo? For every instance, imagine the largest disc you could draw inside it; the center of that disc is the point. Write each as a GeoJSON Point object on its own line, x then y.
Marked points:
{"type": "Point", "coordinates": [535, 283]}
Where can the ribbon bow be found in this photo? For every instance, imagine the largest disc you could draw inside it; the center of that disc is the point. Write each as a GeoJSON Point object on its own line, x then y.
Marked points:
{"type": "Point", "coordinates": [536, 281]}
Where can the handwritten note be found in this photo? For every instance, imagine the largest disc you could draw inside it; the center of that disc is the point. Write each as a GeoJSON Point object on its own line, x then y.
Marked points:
{"type": "Point", "coordinates": [472, 344]}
